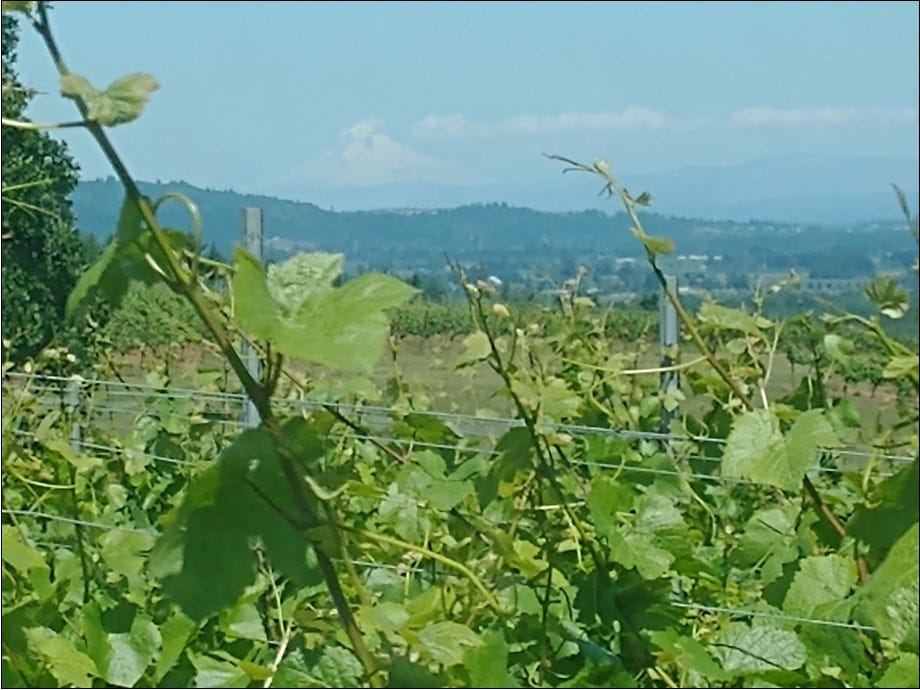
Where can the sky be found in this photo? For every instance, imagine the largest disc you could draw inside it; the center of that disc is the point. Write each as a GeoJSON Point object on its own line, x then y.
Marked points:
{"type": "Point", "coordinates": [313, 100]}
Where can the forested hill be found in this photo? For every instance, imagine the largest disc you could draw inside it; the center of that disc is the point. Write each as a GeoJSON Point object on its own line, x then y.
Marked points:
{"type": "Point", "coordinates": [493, 233]}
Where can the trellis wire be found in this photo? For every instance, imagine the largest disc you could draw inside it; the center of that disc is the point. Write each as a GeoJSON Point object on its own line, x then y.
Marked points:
{"type": "Point", "coordinates": [472, 425]}
{"type": "Point", "coordinates": [741, 613]}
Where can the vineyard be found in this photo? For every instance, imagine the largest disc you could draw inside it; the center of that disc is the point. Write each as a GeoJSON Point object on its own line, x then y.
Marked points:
{"type": "Point", "coordinates": [619, 516]}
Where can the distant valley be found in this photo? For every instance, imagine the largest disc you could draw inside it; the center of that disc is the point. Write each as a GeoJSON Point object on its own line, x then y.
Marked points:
{"type": "Point", "coordinates": [527, 248]}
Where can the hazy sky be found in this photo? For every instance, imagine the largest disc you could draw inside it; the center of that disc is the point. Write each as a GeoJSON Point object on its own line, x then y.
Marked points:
{"type": "Point", "coordinates": [293, 98]}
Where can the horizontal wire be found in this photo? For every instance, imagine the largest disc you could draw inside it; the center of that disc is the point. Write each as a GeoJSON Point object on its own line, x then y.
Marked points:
{"type": "Point", "coordinates": [765, 614]}
{"type": "Point", "coordinates": [665, 473]}
{"type": "Point", "coordinates": [116, 449]}
{"type": "Point", "coordinates": [414, 569]}
{"type": "Point", "coordinates": [75, 521]}
{"type": "Point", "coordinates": [471, 451]}
{"type": "Point", "coordinates": [577, 429]}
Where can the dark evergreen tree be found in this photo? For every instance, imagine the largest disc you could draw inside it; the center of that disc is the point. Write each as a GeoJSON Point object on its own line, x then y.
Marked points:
{"type": "Point", "coordinates": [42, 253]}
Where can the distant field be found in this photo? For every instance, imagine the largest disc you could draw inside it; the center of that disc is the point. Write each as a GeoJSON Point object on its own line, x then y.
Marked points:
{"type": "Point", "coordinates": [427, 366]}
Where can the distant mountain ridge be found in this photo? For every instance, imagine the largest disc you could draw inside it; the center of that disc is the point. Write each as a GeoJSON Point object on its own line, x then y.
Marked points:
{"type": "Point", "coordinates": [788, 188]}
{"type": "Point", "coordinates": [496, 233]}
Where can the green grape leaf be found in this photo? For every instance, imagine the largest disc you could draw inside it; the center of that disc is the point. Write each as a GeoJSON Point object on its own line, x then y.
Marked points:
{"type": "Point", "coordinates": [819, 580]}
{"type": "Point", "coordinates": [487, 663]}
{"type": "Point", "coordinates": [557, 400]}
{"type": "Point", "coordinates": [217, 673]}
{"type": "Point", "coordinates": [19, 555]}
{"type": "Point", "coordinates": [688, 654]}
{"type": "Point", "coordinates": [658, 245]}
{"type": "Point", "coordinates": [644, 199]}
{"type": "Point", "coordinates": [888, 296]}
{"type": "Point", "coordinates": [476, 348]}
{"type": "Point", "coordinates": [123, 552]}
{"type": "Point", "coordinates": [890, 600]}
{"type": "Point", "coordinates": [425, 480]}
{"type": "Point", "coordinates": [295, 672]}
{"type": "Point", "coordinates": [447, 642]}
{"type": "Point", "coordinates": [401, 511]}
{"type": "Point", "coordinates": [607, 498]}
{"type": "Point", "coordinates": [751, 649]}
{"type": "Point", "coordinates": [224, 510]}
{"type": "Point", "coordinates": [844, 415]}
{"type": "Point", "coordinates": [89, 279]}
{"type": "Point", "coordinates": [757, 450]}
{"type": "Point", "coordinates": [303, 277]}
{"type": "Point", "coordinates": [129, 654]}
{"type": "Point", "coordinates": [29, 562]}
{"type": "Point", "coordinates": [839, 348]}
{"type": "Point", "coordinates": [131, 225]}
{"type": "Point", "coordinates": [632, 549]}
{"type": "Point", "coordinates": [243, 621]}
{"type": "Point", "coordinates": [654, 245]}
{"type": "Point", "coordinates": [902, 366]}
{"type": "Point", "coordinates": [128, 95]}
{"type": "Point", "coordinates": [338, 668]}
{"type": "Point", "coordinates": [124, 260]}
{"type": "Point", "coordinates": [643, 538]}
{"type": "Point", "coordinates": [368, 294]}
{"type": "Point", "coordinates": [67, 665]}
{"type": "Point", "coordinates": [901, 673]}
{"type": "Point", "coordinates": [24, 6]}
{"type": "Point", "coordinates": [727, 318]}
{"type": "Point", "coordinates": [256, 671]}
{"type": "Point", "coordinates": [76, 86]}
{"type": "Point", "coordinates": [768, 538]}
{"type": "Point", "coordinates": [122, 102]}
{"type": "Point", "coordinates": [890, 510]}
{"type": "Point", "coordinates": [406, 674]}
{"type": "Point", "coordinates": [254, 307]}
{"type": "Point", "coordinates": [344, 327]}
{"type": "Point", "coordinates": [176, 633]}
{"type": "Point", "coordinates": [386, 616]}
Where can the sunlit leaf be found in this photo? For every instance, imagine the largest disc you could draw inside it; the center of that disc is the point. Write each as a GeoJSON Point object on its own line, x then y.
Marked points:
{"type": "Point", "coordinates": [487, 663]}
{"type": "Point", "coordinates": [302, 277]}
{"type": "Point", "coordinates": [254, 307]}
{"type": "Point", "coordinates": [123, 101]}
{"type": "Point", "coordinates": [688, 654]}
{"type": "Point", "coordinates": [757, 450]}
{"type": "Point", "coordinates": [888, 296]}
{"type": "Point", "coordinates": [217, 673]}
{"type": "Point", "coordinates": [839, 348]}
{"type": "Point", "coordinates": [18, 6]}
{"type": "Point", "coordinates": [901, 673]}
{"type": "Point", "coordinates": [447, 642]}
{"type": "Point", "coordinates": [476, 347]}
{"type": "Point", "coordinates": [131, 653]}
{"type": "Point", "coordinates": [889, 511]}
{"type": "Point", "coordinates": [891, 600]}
{"type": "Point", "coordinates": [902, 366]}
{"type": "Point", "coordinates": [67, 665]}
{"type": "Point", "coordinates": [728, 318]}
{"type": "Point", "coordinates": [819, 580]}
{"type": "Point", "coordinates": [342, 327]}
{"type": "Point", "coordinates": [749, 649]}
{"type": "Point", "coordinates": [655, 245]}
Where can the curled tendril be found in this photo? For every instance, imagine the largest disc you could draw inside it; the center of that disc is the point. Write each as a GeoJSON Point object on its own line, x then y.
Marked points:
{"type": "Point", "coordinates": [197, 223]}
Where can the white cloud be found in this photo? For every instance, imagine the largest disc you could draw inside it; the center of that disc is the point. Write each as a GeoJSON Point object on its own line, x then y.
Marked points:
{"type": "Point", "coordinates": [630, 118]}
{"type": "Point", "coordinates": [368, 156]}
{"type": "Point", "coordinates": [453, 126]}
{"type": "Point", "coordinates": [461, 127]}
{"type": "Point", "coordinates": [821, 117]}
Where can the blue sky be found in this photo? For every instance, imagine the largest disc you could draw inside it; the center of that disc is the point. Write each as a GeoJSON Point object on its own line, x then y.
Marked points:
{"type": "Point", "coordinates": [304, 99]}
